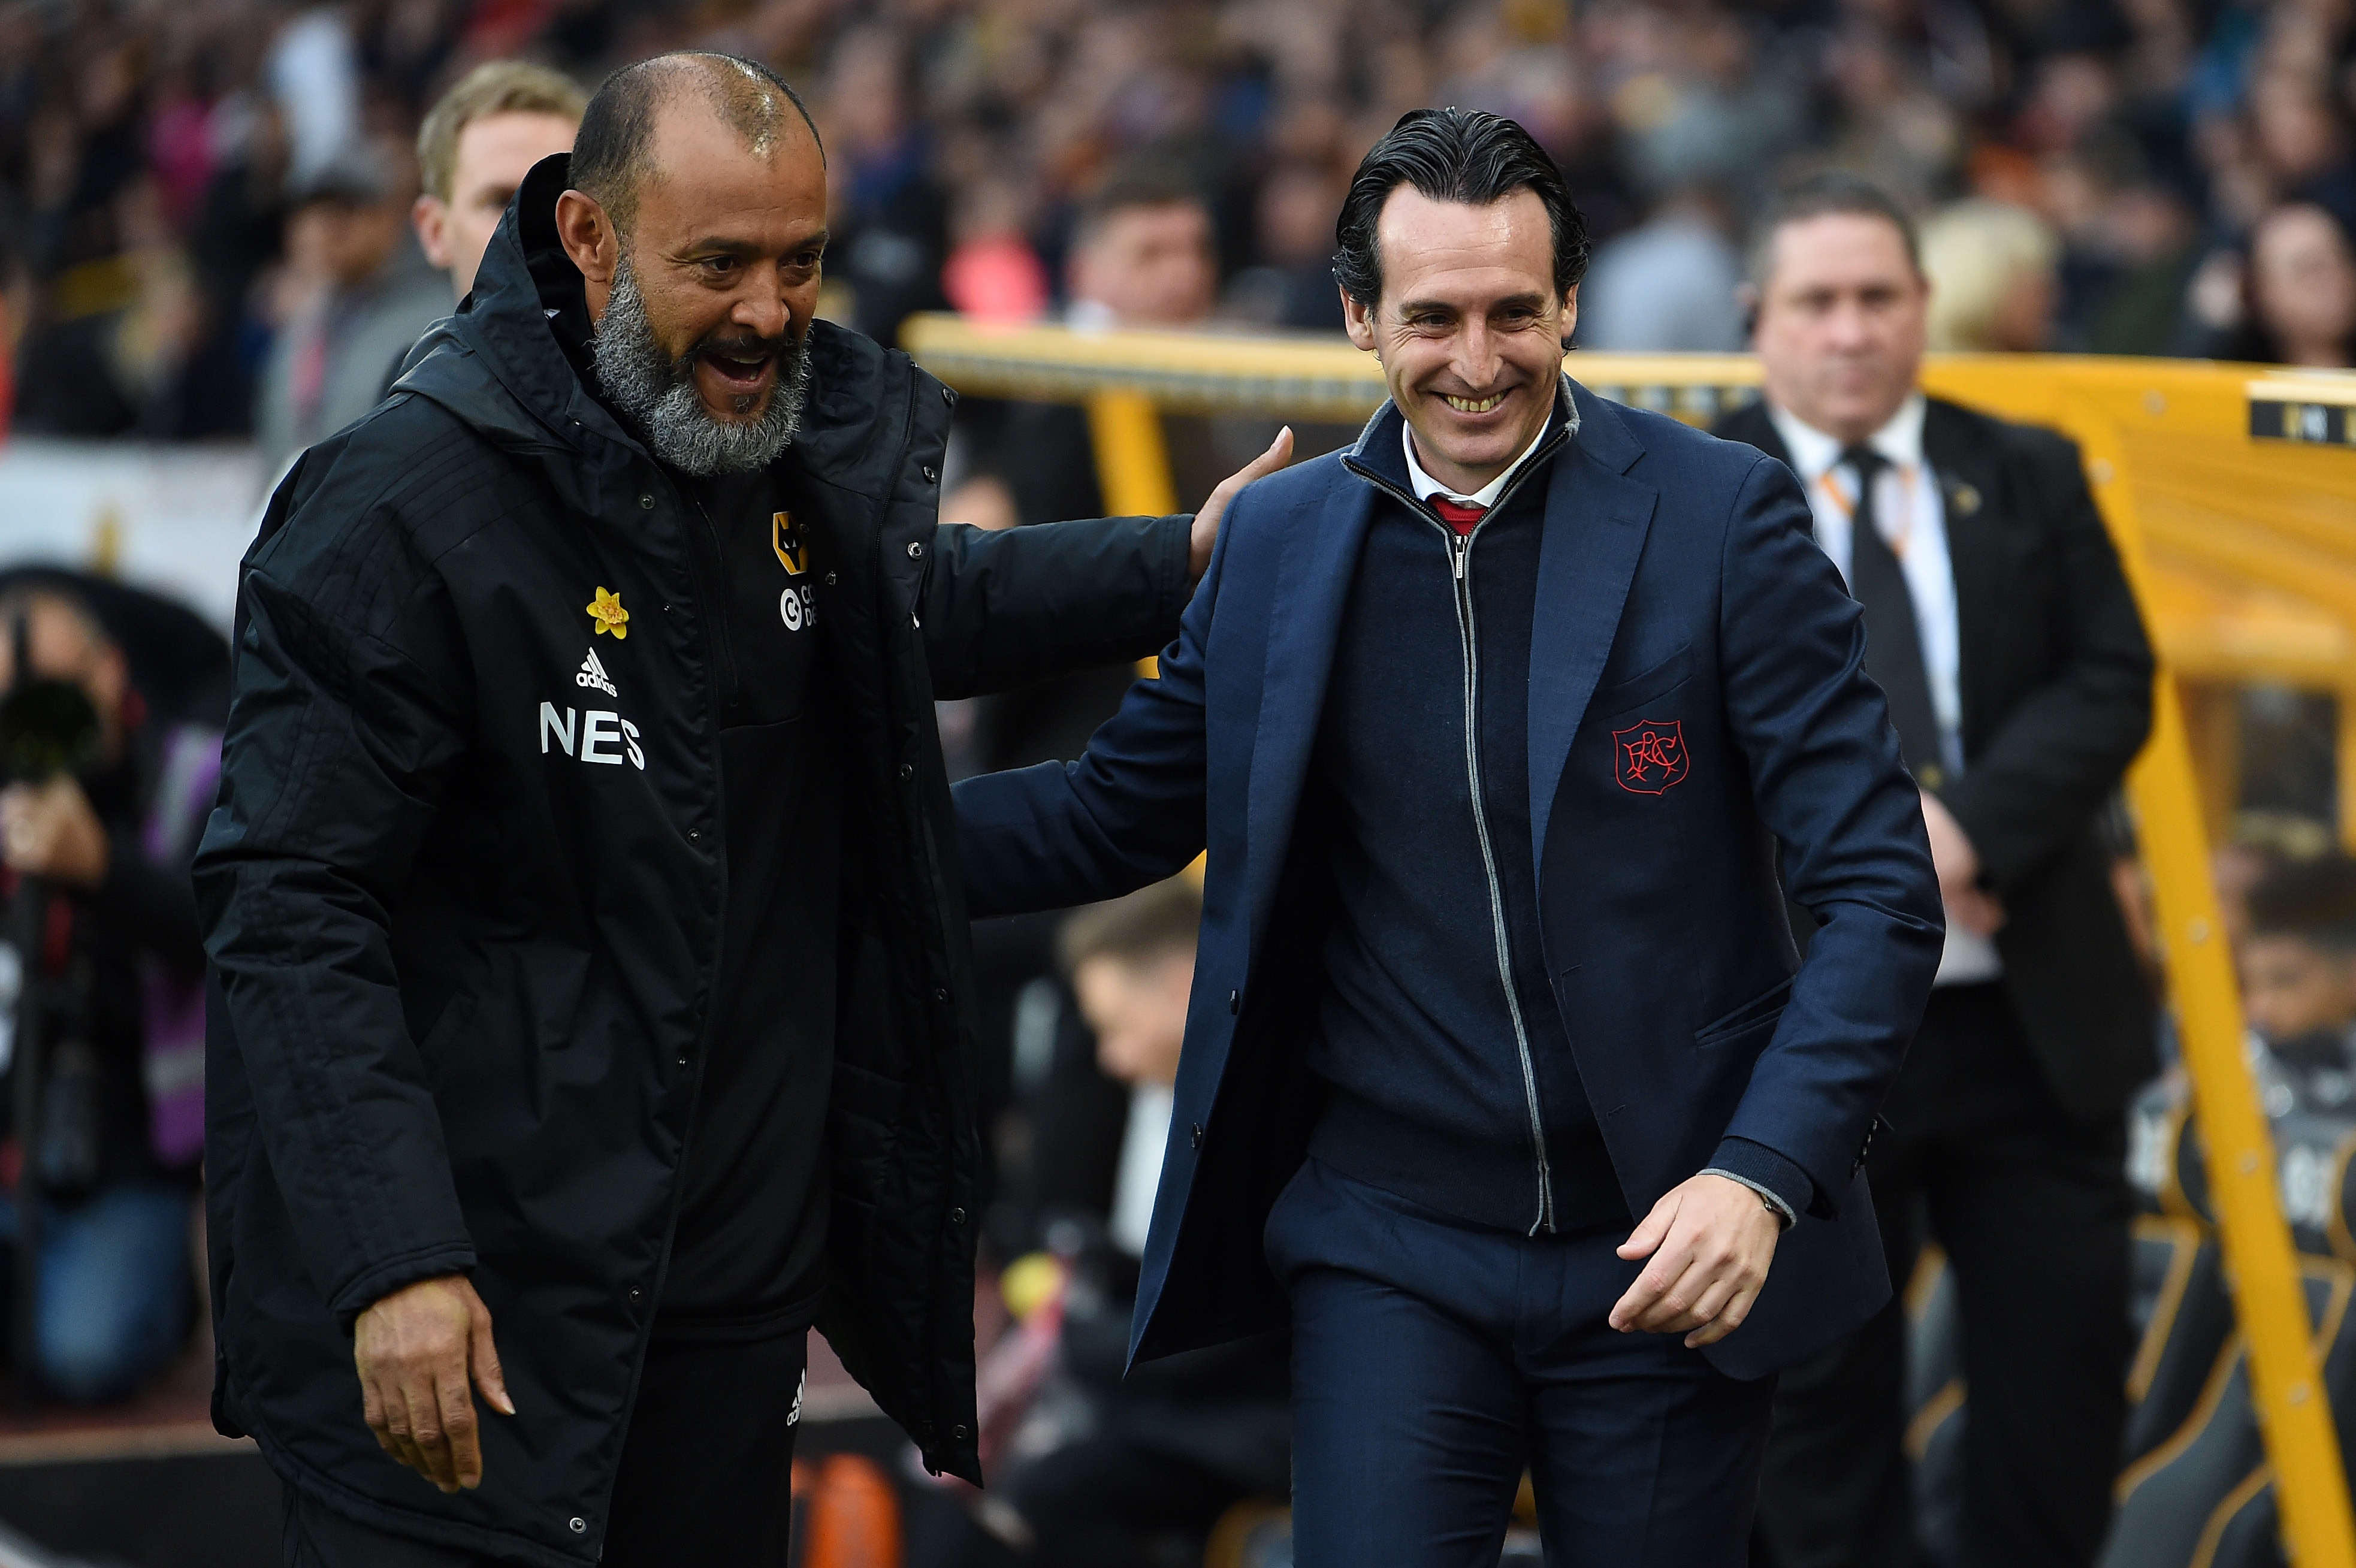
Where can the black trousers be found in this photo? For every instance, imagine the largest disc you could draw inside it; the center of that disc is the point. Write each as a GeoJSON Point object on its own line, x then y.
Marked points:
{"type": "Point", "coordinates": [2033, 1209]}
{"type": "Point", "coordinates": [705, 1475]}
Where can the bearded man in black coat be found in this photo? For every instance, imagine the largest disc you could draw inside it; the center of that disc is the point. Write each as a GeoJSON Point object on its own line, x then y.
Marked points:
{"type": "Point", "coordinates": [591, 985]}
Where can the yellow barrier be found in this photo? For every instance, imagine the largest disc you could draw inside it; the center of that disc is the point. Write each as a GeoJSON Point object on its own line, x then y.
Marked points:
{"type": "Point", "coordinates": [2231, 491]}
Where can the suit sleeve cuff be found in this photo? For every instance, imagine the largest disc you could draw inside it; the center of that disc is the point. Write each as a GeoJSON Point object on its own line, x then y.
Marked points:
{"type": "Point", "coordinates": [1177, 563]}
{"type": "Point", "coordinates": [1785, 1185]}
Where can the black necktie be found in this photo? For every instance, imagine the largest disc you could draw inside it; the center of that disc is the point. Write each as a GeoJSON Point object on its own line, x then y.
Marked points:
{"type": "Point", "coordinates": [1893, 642]}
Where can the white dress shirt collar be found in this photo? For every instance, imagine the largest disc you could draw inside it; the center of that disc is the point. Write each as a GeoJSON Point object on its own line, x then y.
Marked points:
{"type": "Point", "coordinates": [1426, 487]}
{"type": "Point", "coordinates": [1814, 452]}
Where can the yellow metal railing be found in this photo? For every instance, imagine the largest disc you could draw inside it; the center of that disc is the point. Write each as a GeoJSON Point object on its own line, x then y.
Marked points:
{"type": "Point", "coordinates": [2231, 491]}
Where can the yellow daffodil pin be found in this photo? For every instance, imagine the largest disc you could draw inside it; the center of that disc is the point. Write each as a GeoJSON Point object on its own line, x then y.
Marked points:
{"type": "Point", "coordinates": [609, 615]}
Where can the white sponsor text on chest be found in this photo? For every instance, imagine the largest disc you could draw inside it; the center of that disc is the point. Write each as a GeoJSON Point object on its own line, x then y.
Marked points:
{"type": "Point", "coordinates": [600, 734]}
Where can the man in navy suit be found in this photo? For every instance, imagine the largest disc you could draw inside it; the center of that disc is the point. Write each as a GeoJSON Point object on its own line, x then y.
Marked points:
{"type": "Point", "coordinates": [1501, 1071]}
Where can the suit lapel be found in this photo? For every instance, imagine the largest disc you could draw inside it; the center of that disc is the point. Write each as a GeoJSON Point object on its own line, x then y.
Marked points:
{"type": "Point", "coordinates": [1596, 521]}
{"type": "Point", "coordinates": [1969, 490]}
{"type": "Point", "coordinates": [1319, 558]}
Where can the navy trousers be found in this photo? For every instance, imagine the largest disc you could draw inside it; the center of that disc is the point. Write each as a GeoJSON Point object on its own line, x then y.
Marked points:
{"type": "Point", "coordinates": [1432, 1362]}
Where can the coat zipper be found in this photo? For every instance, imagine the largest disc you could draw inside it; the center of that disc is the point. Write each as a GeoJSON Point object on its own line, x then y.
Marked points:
{"type": "Point", "coordinates": [1459, 548]}
{"type": "Point", "coordinates": [1460, 557]}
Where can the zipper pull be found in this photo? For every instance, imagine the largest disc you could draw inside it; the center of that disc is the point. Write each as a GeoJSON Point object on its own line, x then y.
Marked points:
{"type": "Point", "coordinates": [1463, 547]}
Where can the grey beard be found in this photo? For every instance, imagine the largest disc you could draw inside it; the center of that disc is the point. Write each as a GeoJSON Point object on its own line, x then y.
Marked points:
{"type": "Point", "coordinates": [657, 394]}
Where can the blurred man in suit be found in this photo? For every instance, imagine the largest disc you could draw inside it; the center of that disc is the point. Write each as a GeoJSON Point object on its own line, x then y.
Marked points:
{"type": "Point", "coordinates": [2001, 628]}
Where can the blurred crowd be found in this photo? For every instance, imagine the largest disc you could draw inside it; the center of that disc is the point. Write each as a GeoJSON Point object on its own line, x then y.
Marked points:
{"type": "Point", "coordinates": [180, 185]}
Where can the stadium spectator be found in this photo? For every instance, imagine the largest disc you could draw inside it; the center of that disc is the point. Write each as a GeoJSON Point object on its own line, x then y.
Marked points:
{"type": "Point", "coordinates": [888, 212]}
{"type": "Point", "coordinates": [1111, 1471]}
{"type": "Point", "coordinates": [2300, 292]}
{"type": "Point", "coordinates": [120, 990]}
{"type": "Point", "coordinates": [2212, 116]}
{"type": "Point", "coordinates": [1992, 271]}
{"type": "Point", "coordinates": [473, 149]}
{"type": "Point", "coordinates": [1668, 283]}
{"type": "Point", "coordinates": [1999, 625]}
{"type": "Point", "coordinates": [2299, 974]}
{"type": "Point", "coordinates": [994, 274]}
{"type": "Point", "coordinates": [368, 296]}
{"type": "Point", "coordinates": [1143, 254]}
{"type": "Point", "coordinates": [1293, 286]}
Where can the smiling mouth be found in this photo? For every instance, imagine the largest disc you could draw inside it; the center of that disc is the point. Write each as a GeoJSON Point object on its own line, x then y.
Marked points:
{"type": "Point", "coordinates": [1473, 404]}
{"type": "Point", "coordinates": [741, 373]}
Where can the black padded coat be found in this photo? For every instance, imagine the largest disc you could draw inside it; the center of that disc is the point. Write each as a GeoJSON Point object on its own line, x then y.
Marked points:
{"type": "Point", "coordinates": [461, 969]}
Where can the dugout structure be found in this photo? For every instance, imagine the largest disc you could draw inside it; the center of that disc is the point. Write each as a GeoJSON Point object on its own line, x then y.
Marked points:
{"type": "Point", "coordinates": [2231, 493]}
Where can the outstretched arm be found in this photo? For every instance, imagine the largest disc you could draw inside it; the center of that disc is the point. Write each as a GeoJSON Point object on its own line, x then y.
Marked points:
{"type": "Point", "coordinates": [1128, 812]}
{"type": "Point", "coordinates": [1006, 607]}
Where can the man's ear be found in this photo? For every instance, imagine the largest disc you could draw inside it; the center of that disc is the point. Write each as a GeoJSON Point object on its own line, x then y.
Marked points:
{"type": "Point", "coordinates": [1570, 317]}
{"type": "Point", "coordinates": [431, 217]}
{"type": "Point", "coordinates": [1358, 322]}
{"type": "Point", "coordinates": [1746, 299]}
{"type": "Point", "coordinates": [588, 237]}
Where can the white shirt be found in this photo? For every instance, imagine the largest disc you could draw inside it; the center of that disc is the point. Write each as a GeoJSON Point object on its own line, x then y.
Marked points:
{"type": "Point", "coordinates": [1426, 487]}
{"type": "Point", "coordinates": [1911, 515]}
{"type": "Point", "coordinates": [1149, 1109]}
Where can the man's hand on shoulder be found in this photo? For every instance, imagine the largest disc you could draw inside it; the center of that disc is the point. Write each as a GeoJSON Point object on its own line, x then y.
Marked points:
{"type": "Point", "coordinates": [1207, 521]}
{"type": "Point", "coordinates": [417, 1351]}
{"type": "Point", "coordinates": [1710, 1240]}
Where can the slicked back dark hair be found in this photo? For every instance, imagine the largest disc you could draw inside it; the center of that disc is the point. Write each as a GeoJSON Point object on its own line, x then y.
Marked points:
{"type": "Point", "coordinates": [1820, 196]}
{"type": "Point", "coordinates": [1453, 154]}
{"type": "Point", "coordinates": [610, 152]}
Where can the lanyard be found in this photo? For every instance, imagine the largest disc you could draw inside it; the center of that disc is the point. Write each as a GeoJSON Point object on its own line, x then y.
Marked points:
{"type": "Point", "coordinates": [1907, 474]}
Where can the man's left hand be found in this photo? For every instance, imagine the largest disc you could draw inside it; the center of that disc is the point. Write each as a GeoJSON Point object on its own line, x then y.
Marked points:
{"type": "Point", "coordinates": [49, 830]}
{"type": "Point", "coordinates": [1710, 1240]}
{"type": "Point", "coordinates": [1207, 521]}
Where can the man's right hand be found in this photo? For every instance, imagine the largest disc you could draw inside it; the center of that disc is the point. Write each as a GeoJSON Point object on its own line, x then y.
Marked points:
{"type": "Point", "coordinates": [1969, 904]}
{"type": "Point", "coordinates": [417, 1351]}
{"type": "Point", "coordinates": [1207, 521]}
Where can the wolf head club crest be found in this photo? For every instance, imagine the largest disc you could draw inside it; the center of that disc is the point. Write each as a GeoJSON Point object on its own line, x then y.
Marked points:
{"type": "Point", "coordinates": [786, 537]}
{"type": "Point", "coordinates": [1648, 757]}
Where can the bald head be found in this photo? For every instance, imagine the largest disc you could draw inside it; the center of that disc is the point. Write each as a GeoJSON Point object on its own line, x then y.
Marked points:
{"type": "Point", "coordinates": [616, 153]}
{"type": "Point", "coordinates": [698, 221]}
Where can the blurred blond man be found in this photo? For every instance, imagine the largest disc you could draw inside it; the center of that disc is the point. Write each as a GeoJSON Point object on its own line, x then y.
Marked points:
{"type": "Point", "coordinates": [473, 149]}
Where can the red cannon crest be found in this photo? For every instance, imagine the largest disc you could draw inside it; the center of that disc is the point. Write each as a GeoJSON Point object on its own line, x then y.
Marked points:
{"type": "Point", "coordinates": [1649, 757]}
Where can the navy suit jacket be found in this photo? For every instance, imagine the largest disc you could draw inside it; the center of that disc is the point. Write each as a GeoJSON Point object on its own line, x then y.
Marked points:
{"type": "Point", "coordinates": [1697, 697]}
